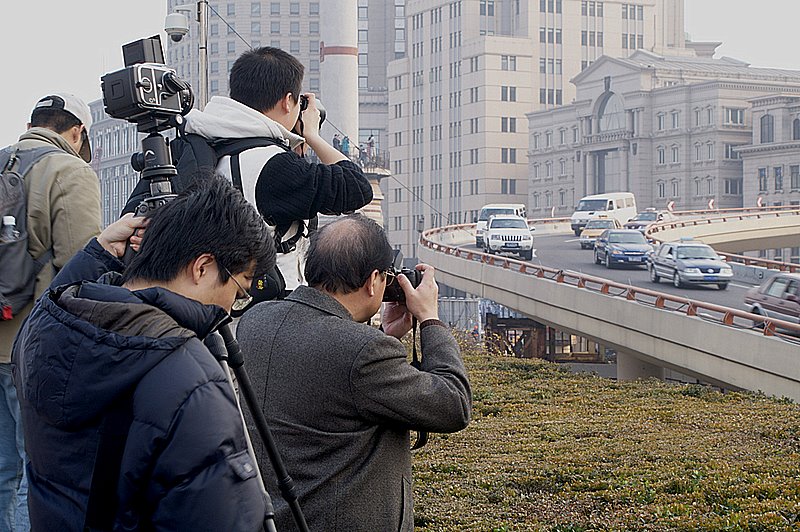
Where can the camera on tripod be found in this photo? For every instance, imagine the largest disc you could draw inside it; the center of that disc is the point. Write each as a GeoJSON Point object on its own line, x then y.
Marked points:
{"type": "Point", "coordinates": [146, 92]}
{"type": "Point", "coordinates": [151, 95]}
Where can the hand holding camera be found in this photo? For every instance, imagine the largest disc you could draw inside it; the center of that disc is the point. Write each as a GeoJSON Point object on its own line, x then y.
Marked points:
{"type": "Point", "coordinates": [420, 295]}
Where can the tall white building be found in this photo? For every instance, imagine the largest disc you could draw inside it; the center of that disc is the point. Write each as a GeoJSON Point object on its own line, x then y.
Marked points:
{"type": "Point", "coordinates": [458, 136]}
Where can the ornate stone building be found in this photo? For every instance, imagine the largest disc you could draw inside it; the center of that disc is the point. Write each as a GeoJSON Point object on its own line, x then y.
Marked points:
{"type": "Point", "coordinates": [667, 128]}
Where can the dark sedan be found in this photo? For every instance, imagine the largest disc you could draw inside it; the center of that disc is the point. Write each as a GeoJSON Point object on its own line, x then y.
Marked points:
{"type": "Point", "coordinates": [621, 246]}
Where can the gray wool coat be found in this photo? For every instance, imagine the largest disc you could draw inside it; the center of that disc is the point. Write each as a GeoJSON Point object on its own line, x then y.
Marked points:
{"type": "Point", "coordinates": [340, 399]}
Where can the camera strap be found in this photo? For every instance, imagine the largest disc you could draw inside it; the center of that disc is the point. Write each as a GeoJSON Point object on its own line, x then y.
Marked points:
{"type": "Point", "coordinates": [416, 362]}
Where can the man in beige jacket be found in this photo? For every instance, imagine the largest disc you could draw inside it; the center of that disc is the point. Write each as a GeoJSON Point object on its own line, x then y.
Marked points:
{"type": "Point", "coordinates": [64, 213]}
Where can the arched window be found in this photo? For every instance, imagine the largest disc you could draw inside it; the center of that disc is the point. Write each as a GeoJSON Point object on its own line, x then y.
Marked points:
{"type": "Point", "coordinates": [611, 116]}
{"type": "Point", "coordinates": [796, 129]}
{"type": "Point", "coordinates": [767, 129]}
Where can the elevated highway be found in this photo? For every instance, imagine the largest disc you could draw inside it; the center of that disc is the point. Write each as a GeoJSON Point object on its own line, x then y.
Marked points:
{"type": "Point", "coordinates": [650, 330]}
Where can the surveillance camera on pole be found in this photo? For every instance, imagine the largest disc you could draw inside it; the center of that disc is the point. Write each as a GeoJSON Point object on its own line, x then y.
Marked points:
{"type": "Point", "coordinates": [176, 25]}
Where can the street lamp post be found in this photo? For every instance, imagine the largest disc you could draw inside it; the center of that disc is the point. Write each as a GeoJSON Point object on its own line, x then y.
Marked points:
{"type": "Point", "coordinates": [201, 7]}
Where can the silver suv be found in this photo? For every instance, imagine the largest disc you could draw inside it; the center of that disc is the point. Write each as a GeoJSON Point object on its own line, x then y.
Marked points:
{"type": "Point", "coordinates": [509, 234]}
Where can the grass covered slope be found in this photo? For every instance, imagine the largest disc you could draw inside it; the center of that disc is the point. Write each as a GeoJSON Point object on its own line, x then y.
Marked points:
{"type": "Point", "coordinates": [549, 450]}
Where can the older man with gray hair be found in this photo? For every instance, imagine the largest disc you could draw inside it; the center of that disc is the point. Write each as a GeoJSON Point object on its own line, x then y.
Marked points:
{"type": "Point", "coordinates": [339, 395]}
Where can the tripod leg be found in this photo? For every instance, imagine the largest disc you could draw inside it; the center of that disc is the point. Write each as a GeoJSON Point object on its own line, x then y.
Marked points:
{"type": "Point", "coordinates": [216, 345]}
{"type": "Point", "coordinates": [285, 482]}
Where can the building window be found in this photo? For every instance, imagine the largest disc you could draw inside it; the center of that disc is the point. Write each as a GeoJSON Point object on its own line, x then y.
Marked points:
{"type": "Point", "coordinates": [255, 27]}
{"type": "Point", "coordinates": [660, 121]}
{"type": "Point", "coordinates": [548, 169]}
{"type": "Point", "coordinates": [275, 27]}
{"type": "Point", "coordinates": [255, 9]}
{"type": "Point", "coordinates": [733, 187]}
{"type": "Point", "coordinates": [661, 189]}
{"type": "Point", "coordinates": [710, 186]}
{"type": "Point", "coordinates": [676, 154]}
{"type": "Point", "coordinates": [313, 27]}
{"type": "Point", "coordinates": [698, 152]}
{"type": "Point", "coordinates": [698, 118]}
{"type": "Point", "coordinates": [796, 129]}
{"type": "Point", "coordinates": [508, 186]}
{"type": "Point", "coordinates": [794, 172]}
{"type": "Point", "coordinates": [313, 8]}
{"type": "Point", "coordinates": [275, 8]}
{"type": "Point", "coordinates": [508, 155]}
{"type": "Point", "coordinates": [777, 173]}
{"type": "Point", "coordinates": [231, 10]}
{"type": "Point", "coordinates": [508, 62]}
{"type": "Point", "coordinates": [548, 139]}
{"type": "Point", "coordinates": [662, 155]}
{"type": "Point", "coordinates": [294, 8]}
{"type": "Point", "coordinates": [675, 188]}
{"type": "Point", "coordinates": [767, 129]}
{"type": "Point", "coordinates": [734, 117]}
{"type": "Point", "coordinates": [562, 167]}
{"type": "Point", "coordinates": [294, 28]}
{"type": "Point", "coordinates": [731, 153]}
{"type": "Point", "coordinates": [763, 185]}
{"type": "Point", "coordinates": [508, 124]}
{"type": "Point", "coordinates": [710, 151]}
{"type": "Point", "coordinates": [676, 119]}
{"type": "Point", "coordinates": [508, 94]}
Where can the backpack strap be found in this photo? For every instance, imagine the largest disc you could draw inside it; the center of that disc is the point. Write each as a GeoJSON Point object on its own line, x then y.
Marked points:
{"type": "Point", "coordinates": [233, 147]}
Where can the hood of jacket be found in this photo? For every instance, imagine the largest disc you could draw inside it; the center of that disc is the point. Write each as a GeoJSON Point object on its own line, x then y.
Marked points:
{"type": "Point", "coordinates": [86, 345]}
{"type": "Point", "coordinates": [224, 118]}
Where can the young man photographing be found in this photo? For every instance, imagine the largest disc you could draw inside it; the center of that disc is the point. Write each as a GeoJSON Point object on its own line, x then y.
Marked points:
{"type": "Point", "coordinates": [94, 351]}
{"type": "Point", "coordinates": [288, 190]}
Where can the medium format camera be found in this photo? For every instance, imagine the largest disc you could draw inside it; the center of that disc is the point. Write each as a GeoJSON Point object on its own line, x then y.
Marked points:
{"type": "Point", "coordinates": [394, 292]}
{"type": "Point", "coordinates": [146, 91]}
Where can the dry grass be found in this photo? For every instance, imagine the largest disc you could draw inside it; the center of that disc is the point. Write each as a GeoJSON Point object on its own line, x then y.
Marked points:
{"type": "Point", "coordinates": [549, 450]}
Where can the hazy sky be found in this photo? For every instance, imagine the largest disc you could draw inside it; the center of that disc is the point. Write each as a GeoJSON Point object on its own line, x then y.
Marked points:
{"type": "Point", "coordinates": [53, 45]}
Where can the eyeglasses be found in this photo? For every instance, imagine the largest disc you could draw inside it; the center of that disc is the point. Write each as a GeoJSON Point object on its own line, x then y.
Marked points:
{"type": "Point", "coordinates": [243, 298]}
{"type": "Point", "coordinates": [390, 276]}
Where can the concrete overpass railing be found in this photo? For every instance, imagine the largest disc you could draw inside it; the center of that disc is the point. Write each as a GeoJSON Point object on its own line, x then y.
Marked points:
{"type": "Point", "coordinates": [650, 330]}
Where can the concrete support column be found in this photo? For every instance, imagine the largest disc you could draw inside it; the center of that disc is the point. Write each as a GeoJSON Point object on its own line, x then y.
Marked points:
{"type": "Point", "coordinates": [630, 368]}
{"type": "Point", "coordinates": [591, 173]}
{"type": "Point", "coordinates": [339, 68]}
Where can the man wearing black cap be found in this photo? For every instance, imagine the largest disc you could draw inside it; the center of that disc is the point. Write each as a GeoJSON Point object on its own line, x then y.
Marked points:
{"type": "Point", "coordinates": [63, 214]}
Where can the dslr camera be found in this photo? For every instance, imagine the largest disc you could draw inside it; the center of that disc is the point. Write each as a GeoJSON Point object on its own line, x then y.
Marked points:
{"type": "Point", "coordinates": [394, 292]}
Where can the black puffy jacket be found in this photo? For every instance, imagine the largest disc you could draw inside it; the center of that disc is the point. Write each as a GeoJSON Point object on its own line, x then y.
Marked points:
{"type": "Point", "coordinates": [185, 465]}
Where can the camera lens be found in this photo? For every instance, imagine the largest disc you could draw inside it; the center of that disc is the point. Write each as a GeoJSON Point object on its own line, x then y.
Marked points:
{"type": "Point", "coordinates": [303, 102]}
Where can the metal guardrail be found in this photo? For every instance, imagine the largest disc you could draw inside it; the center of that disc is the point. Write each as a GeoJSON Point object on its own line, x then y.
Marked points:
{"type": "Point", "coordinates": [724, 316]}
{"type": "Point", "coordinates": [735, 214]}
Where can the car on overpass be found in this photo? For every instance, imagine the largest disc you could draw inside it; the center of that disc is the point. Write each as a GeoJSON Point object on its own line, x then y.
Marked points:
{"type": "Point", "coordinates": [778, 297]}
{"type": "Point", "coordinates": [621, 247]}
{"type": "Point", "coordinates": [594, 228]}
{"type": "Point", "coordinates": [494, 209]}
{"type": "Point", "coordinates": [689, 262]}
{"type": "Point", "coordinates": [648, 217]}
{"type": "Point", "coordinates": [508, 234]}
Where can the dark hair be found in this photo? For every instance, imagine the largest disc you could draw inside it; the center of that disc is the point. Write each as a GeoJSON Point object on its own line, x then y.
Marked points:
{"type": "Point", "coordinates": [209, 217]}
{"type": "Point", "coordinates": [56, 119]}
{"type": "Point", "coordinates": [260, 78]}
{"type": "Point", "coordinates": [343, 254]}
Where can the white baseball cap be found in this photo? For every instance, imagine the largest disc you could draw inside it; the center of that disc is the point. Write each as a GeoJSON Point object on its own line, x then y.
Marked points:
{"type": "Point", "coordinates": [77, 108]}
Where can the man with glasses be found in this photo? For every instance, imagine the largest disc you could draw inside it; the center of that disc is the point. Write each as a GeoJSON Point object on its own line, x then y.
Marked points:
{"type": "Point", "coordinates": [63, 213]}
{"type": "Point", "coordinates": [339, 395]}
{"type": "Point", "coordinates": [113, 375]}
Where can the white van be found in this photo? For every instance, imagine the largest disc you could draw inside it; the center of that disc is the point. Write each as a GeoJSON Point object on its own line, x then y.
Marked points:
{"type": "Point", "coordinates": [494, 209]}
{"type": "Point", "coordinates": [618, 205]}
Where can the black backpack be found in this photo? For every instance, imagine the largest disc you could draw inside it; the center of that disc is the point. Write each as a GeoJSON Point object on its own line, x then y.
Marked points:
{"type": "Point", "coordinates": [192, 155]}
{"type": "Point", "coordinates": [18, 269]}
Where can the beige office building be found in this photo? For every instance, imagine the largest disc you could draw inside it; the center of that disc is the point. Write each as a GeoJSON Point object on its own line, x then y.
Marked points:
{"type": "Point", "coordinates": [458, 136]}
